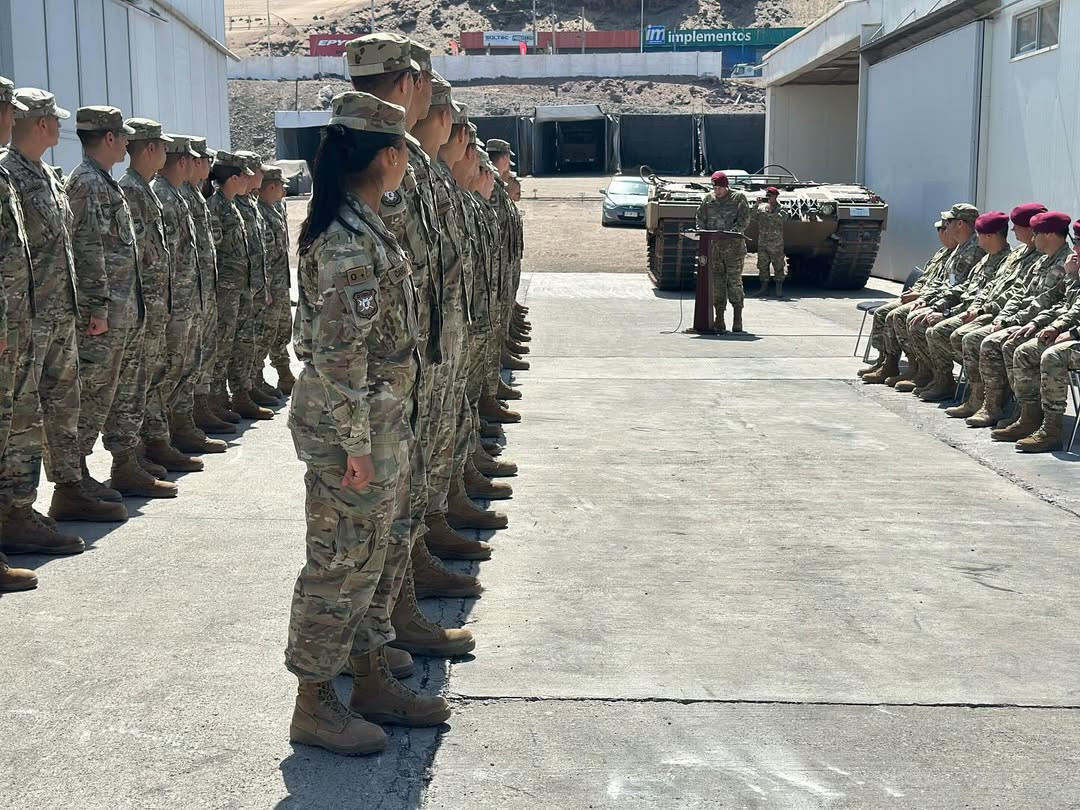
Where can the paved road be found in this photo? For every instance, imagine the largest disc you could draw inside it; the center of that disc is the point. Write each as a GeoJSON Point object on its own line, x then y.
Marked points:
{"type": "Point", "coordinates": [733, 578]}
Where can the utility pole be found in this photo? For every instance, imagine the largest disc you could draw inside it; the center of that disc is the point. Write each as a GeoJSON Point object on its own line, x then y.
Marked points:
{"type": "Point", "coordinates": [373, 16]}
{"type": "Point", "coordinates": [583, 29]}
{"type": "Point", "coordinates": [268, 51]}
{"type": "Point", "coordinates": [554, 42]}
{"type": "Point", "coordinates": [641, 30]}
{"type": "Point", "coordinates": [536, 34]}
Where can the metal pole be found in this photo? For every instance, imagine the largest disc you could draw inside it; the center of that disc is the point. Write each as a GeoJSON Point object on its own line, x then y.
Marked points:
{"type": "Point", "coordinates": [536, 34]}
{"type": "Point", "coordinates": [641, 30]}
{"type": "Point", "coordinates": [583, 29]}
{"type": "Point", "coordinates": [373, 16]}
{"type": "Point", "coordinates": [554, 43]}
{"type": "Point", "coordinates": [268, 51]}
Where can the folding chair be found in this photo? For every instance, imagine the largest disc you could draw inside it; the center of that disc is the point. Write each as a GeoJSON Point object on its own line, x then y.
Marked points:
{"type": "Point", "coordinates": [867, 308]}
{"type": "Point", "coordinates": [1074, 392]}
{"type": "Point", "coordinates": [961, 385]}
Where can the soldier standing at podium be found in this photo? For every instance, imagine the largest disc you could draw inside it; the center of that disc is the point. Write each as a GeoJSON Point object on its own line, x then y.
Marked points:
{"type": "Point", "coordinates": [725, 210]}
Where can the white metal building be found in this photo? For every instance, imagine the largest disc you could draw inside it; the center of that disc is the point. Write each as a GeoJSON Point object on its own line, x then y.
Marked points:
{"type": "Point", "coordinates": [161, 59]}
{"type": "Point", "coordinates": [931, 103]}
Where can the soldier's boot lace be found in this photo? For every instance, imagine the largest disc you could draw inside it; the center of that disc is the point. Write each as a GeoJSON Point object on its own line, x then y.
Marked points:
{"type": "Point", "coordinates": [1031, 418]}
{"type": "Point", "coordinates": [95, 489]}
{"type": "Point", "coordinates": [26, 533]}
{"type": "Point", "coordinates": [322, 720]}
{"type": "Point", "coordinates": [72, 502]}
{"type": "Point", "coordinates": [432, 579]}
{"type": "Point", "coordinates": [446, 544]}
{"type": "Point", "coordinates": [415, 634]}
{"type": "Point", "coordinates": [1047, 438]}
{"type": "Point", "coordinates": [379, 697]}
{"type": "Point", "coordinates": [131, 479]}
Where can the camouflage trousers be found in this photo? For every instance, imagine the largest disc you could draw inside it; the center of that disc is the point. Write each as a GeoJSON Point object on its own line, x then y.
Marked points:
{"type": "Point", "coordinates": [208, 328]}
{"type": "Point", "coordinates": [420, 448]}
{"type": "Point", "coordinates": [441, 425]}
{"type": "Point", "coordinates": [265, 332]}
{"type": "Point", "coordinates": [342, 599]}
{"type": "Point", "coordinates": [279, 328]}
{"type": "Point", "coordinates": [45, 417]}
{"type": "Point", "coordinates": [155, 424]}
{"type": "Point", "coordinates": [996, 363]}
{"type": "Point", "coordinates": [249, 336]}
{"type": "Point", "coordinates": [726, 268]}
{"type": "Point", "coordinates": [771, 257]}
{"type": "Point", "coordinates": [17, 385]}
{"type": "Point", "coordinates": [938, 339]}
{"type": "Point", "coordinates": [112, 384]}
{"type": "Point", "coordinates": [971, 341]}
{"type": "Point", "coordinates": [183, 354]}
{"type": "Point", "coordinates": [1041, 372]}
{"type": "Point", "coordinates": [897, 323]}
{"type": "Point", "coordinates": [877, 330]}
{"type": "Point", "coordinates": [231, 365]}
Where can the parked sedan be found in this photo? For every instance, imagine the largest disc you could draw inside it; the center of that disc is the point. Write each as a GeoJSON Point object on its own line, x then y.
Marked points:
{"type": "Point", "coordinates": [624, 201]}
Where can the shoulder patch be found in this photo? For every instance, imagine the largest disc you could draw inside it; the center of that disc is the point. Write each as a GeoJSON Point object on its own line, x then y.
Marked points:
{"type": "Point", "coordinates": [392, 198]}
{"type": "Point", "coordinates": [365, 303]}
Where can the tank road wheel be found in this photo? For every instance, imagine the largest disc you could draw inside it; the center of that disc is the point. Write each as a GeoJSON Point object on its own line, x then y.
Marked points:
{"type": "Point", "coordinates": [856, 250]}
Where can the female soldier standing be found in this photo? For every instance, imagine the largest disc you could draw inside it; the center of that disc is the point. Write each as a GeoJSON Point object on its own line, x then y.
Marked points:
{"type": "Point", "coordinates": [353, 411]}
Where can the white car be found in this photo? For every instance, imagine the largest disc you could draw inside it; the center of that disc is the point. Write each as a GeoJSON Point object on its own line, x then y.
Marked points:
{"type": "Point", "coordinates": [624, 201]}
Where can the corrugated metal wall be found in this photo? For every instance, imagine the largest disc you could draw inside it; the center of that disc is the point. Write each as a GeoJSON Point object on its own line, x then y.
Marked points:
{"type": "Point", "coordinates": [107, 52]}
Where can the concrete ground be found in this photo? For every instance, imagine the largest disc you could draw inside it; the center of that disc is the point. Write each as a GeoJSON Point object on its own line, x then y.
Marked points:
{"type": "Point", "coordinates": [733, 577]}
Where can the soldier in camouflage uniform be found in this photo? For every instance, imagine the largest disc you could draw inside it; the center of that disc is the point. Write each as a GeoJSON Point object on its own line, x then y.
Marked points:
{"type": "Point", "coordinates": [352, 420]}
{"type": "Point", "coordinates": [231, 175]}
{"type": "Point", "coordinates": [16, 312]}
{"type": "Point", "coordinates": [726, 210]}
{"type": "Point", "coordinates": [48, 419]}
{"type": "Point", "coordinates": [1041, 375]}
{"type": "Point", "coordinates": [252, 402]}
{"type": "Point", "coordinates": [112, 371]}
{"type": "Point", "coordinates": [183, 345]}
{"type": "Point", "coordinates": [392, 68]}
{"type": "Point", "coordinates": [205, 419]}
{"type": "Point", "coordinates": [1020, 320]}
{"type": "Point", "coordinates": [278, 332]}
{"type": "Point", "coordinates": [769, 217]}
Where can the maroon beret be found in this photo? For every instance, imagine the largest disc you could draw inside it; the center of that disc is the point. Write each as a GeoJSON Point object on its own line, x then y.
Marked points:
{"type": "Point", "coordinates": [1022, 214]}
{"type": "Point", "coordinates": [1051, 222]}
{"type": "Point", "coordinates": [1076, 230]}
{"type": "Point", "coordinates": [719, 179]}
{"type": "Point", "coordinates": [992, 222]}
{"type": "Point", "coordinates": [772, 190]}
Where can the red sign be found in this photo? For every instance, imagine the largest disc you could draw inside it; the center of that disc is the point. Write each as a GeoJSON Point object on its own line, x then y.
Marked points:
{"type": "Point", "coordinates": [330, 44]}
{"type": "Point", "coordinates": [523, 48]}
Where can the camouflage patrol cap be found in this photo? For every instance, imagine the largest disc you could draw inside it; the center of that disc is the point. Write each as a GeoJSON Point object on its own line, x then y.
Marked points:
{"type": "Point", "coordinates": [254, 159]}
{"type": "Point", "coordinates": [421, 54]}
{"type": "Point", "coordinates": [179, 145]}
{"type": "Point", "coordinates": [37, 103]}
{"type": "Point", "coordinates": [947, 217]}
{"type": "Point", "coordinates": [363, 111]}
{"type": "Point", "coordinates": [472, 135]}
{"type": "Point", "coordinates": [440, 91]}
{"type": "Point", "coordinates": [272, 174]}
{"type": "Point", "coordinates": [375, 54]}
{"type": "Point", "coordinates": [146, 129]}
{"type": "Point", "coordinates": [98, 118]}
{"type": "Point", "coordinates": [966, 212]}
{"type": "Point", "coordinates": [7, 94]}
{"type": "Point", "coordinates": [496, 146]}
{"type": "Point", "coordinates": [939, 224]}
{"type": "Point", "coordinates": [198, 145]}
{"type": "Point", "coordinates": [459, 113]}
{"type": "Point", "coordinates": [231, 161]}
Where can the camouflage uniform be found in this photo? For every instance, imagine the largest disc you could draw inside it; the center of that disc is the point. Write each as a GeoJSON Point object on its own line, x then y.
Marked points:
{"type": "Point", "coordinates": [770, 242]}
{"type": "Point", "coordinates": [46, 419]}
{"type": "Point", "coordinates": [726, 256]}
{"type": "Point", "coordinates": [933, 269]}
{"type": "Point", "coordinates": [503, 281]}
{"type": "Point", "coordinates": [183, 352]}
{"type": "Point", "coordinates": [279, 317]}
{"type": "Point", "coordinates": [155, 267]}
{"type": "Point", "coordinates": [112, 371]}
{"type": "Point", "coordinates": [17, 383]}
{"type": "Point", "coordinates": [233, 286]}
{"type": "Point", "coordinates": [1031, 355]}
{"type": "Point", "coordinates": [207, 259]}
{"type": "Point", "coordinates": [1053, 376]}
{"type": "Point", "coordinates": [251, 324]}
{"type": "Point", "coordinates": [481, 225]}
{"type": "Point", "coordinates": [996, 353]}
{"type": "Point", "coordinates": [356, 396]}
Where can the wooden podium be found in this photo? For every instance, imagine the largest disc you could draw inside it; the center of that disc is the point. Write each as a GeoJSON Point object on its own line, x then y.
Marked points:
{"type": "Point", "coordinates": [704, 317]}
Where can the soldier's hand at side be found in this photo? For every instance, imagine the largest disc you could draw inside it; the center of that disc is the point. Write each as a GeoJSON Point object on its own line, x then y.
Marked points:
{"type": "Point", "coordinates": [1064, 337]}
{"type": "Point", "coordinates": [1048, 335]}
{"type": "Point", "coordinates": [359, 472]}
{"type": "Point", "coordinates": [1026, 331]}
{"type": "Point", "coordinates": [968, 317]}
{"type": "Point", "coordinates": [98, 326]}
{"type": "Point", "coordinates": [269, 298]}
{"type": "Point", "coordinates": [934, 318]}
{"type": "Point", "coordinates": [1072, 264]}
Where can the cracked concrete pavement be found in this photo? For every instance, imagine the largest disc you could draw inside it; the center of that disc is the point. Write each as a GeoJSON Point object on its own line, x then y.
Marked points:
{"type": "Point", "coordinates": [734, 577]}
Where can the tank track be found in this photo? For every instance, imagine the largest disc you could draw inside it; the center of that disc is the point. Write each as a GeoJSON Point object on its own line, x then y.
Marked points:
{"type": "Point", "coordinates": [856, 250]}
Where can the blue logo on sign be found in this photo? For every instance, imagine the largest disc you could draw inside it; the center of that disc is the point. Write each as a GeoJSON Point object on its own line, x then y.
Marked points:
{"type": "Point", "coordinates": [655, 35]}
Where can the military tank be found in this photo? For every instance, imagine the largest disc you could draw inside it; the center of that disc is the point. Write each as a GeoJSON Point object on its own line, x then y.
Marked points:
{"type": "Point", "coordinates": [831, 233]}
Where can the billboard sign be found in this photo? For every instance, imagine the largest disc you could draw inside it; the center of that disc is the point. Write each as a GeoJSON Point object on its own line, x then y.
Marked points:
{"type": "Point", "coordinates": [707, 39]}
{"type": "Point", "coordinates": [330, 44]}
{"type": "Point", "coordinates": [509, 39]}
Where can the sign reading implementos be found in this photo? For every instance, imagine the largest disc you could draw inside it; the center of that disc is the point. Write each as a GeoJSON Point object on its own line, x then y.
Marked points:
{"type": "Point", "coordinates": [701, 39]}
{"type": "Point", "coordinates": [509, 39]}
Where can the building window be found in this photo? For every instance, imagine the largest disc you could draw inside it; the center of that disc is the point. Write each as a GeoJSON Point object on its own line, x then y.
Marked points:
{"type": "Point", "coordinates": [1036, 30]}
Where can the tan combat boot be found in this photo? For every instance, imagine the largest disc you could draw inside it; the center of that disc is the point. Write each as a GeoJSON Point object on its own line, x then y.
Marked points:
{"type": "Point", "coordinates": [491, 430]}
{"type": "Point", "coordinates": [322, 720]}
{"type": "Point", "coordinates": [506, 392]}
{"type": "Point", "coordinates": [433, 580]}
{"type": "Point", "coordinates": [990, 411]}
{"type": "Point", "coordinates": [416, 635]}
{"type": "Point", "coordinates": [1047, 438]}
{"type": "Point", "coordinates": [941, 388]}
{"type": "Point", "coordinates": [15, 579]}
{"type": "Point", "coordinates": [26, 533]}
{"type": "Point", "coordinates": [490, 468]}
{"type": "Point", "coordinates": [172, 459]}
{"type": "Point", "coordinates": [155, 470]}
{"type": "Point", "coordinates": [970, 406]}
{"type": "Point", "coordinates": [464, 514]}
{"type": "Point", "coordinates": [481, 488]}
{"type": "Point", "coordinates": [736, 321]}
{"type": "Point", "coordinates": [131, 479]}
{"type": "Point", "coordinates": [243, 404]}
{"type": "Point", "coordinates": [72, 502]}
{"type": "Point", "coordinates": [401, 663]}
{"type": "Point", "coordinates": [219, 406]}
{"type": "Point", "coordinates": [517, 349]}
{"type": "Point", "coordinates": [492, 411]}
{"type": "Point", "coordinates": [185, 437]}
{"type": "Point", "coordinates": [889, 368]}
{"type": "Point", "coordinates": [285, 378]}
{"type": "Point", "coordinates": [1031, 417]}
{"type": "Point", "coordinates": [446, 544]}
{"type": "Point", "coordinates": [719, 326]}
{"type": "Point", "coordinates": [492, 448]}
{"type": "Point", "coordinates": [379, 697]}
{"type": "Point", "coordinates": [874, 366]}
{"type": "Point", "coordinates": [270, 390]}
{"type": "Point", "coordinates": [908, 380]}
{"type": "Point", "coordinates": [207, 421]}
{"type": "Point", "coordinates": [95, 489]}
{"type": "Point", "coordinates": [513, 363]}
